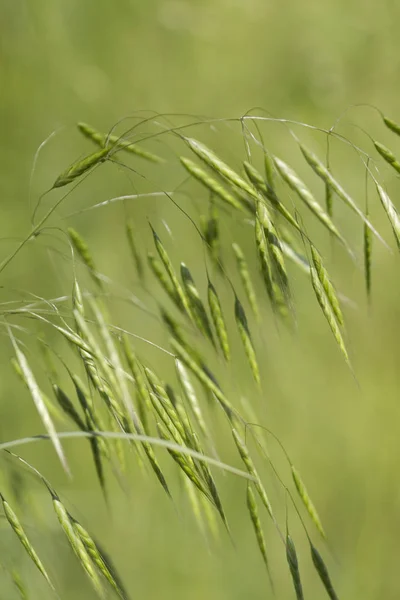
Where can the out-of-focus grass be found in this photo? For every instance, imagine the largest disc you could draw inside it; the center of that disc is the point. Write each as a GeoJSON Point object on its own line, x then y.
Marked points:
{"type": "Point", "coordinates": [64, 61]}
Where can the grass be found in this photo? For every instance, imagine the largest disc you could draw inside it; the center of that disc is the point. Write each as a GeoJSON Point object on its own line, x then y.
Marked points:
{"type": "Point", "coordinates": [131, 406]}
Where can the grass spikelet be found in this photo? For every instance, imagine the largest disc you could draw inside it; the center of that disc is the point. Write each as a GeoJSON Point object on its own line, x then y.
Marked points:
{"type": "Point", "coordinates": [113, 140]}
{"type": "Point", "coordinates": [84, 397]}
{"type": "Point", "coordinates": [164, 407]}
{"type": "Point", "coordinates": [143, 394]}
{"type": "Point", "coordinates": [118, 379]}
{"type": "Point", "coordinates": [390, 124]}
{"type": "Point", "coordinates": [274, 246]}
{"type": "Point", "coordinates": [83, 251]}
{"type": "Point", "coordinates": [184, 462]}
{"type": "Point", "coordinates": [38, 401]}
{"type": "Point", "coordinates": [116, 426]}
{"type": "Point", "coordinates": [323, 173]}
{"type": "Point", "coordinates": [20, 533]}
{"type": "Point", "coordinates": [210, 230]}
{"type": "Point", "coordinates": [327, 284]}
{"type": "Point", "coordinates": [269, 170]}
{"type": "Point", "coordinates": [48, 360]}
{"type": "Point", "coordinates": [182, 413]}
{"type": "Point", "coordinates": [329, 200]}
{"type": "Point", "coordinates": [98, 445]}
{"type": "Point", "coordinates": [162, 253]}
{"type": "Point", "coordinates": [81, 167]}
{"type": "Point", "coordinates": [97, 557]}
{"type": "Point", "coordinates": [241, 322]}
{"type": "Point", "coordinates": [322, 572]}
{"type": "Point", "coordinates": [255, 519]}
{"type": "Point", "coordinates": [257, 180]}
{"type": "Point", "coordinates": [190, 395]}
{"type": "Point", "coordinates": [98, 448]}
{"type": "Point", "coordinates": [264, 258]}
{"type": "Point", "coordinates": [154, 463]}
{"type": "Point", "coordinates": [203, 376]}
{"type": "Point", "coordinates": [51, 407]}
{"type": "Point", "coordinates": [211, 184]}
{"type": "Point", "coordinates": [134, 251]}
{"type": "Point", "coordinates": [175, 330]}
{"type": "Point", "coordinates": [391, 212]}
{"type": "Point", "coordinates": [291, 557]}
{"type": "Point", "coordinates": [210, 482]}
{"type": "Point", "coordinates": [91, 134]}
{"type": "Point", "coordinates": [328, 312]}
{"type": "Point", "coordinates": [98, 364]}
{"type": "Point", "coordinates": [246, 280]}
{"type": "Point", "coordinates": [165, 283]}
{"type": "Point", "coordinates": [145, 409]}
{"type": "Point", "coordinates": [302, 491]}
{"type": "Point", "coordinates": [367, 238]}
{"type": "Point", "coordinates": [66, 404]}
{"type": "Point", "coordinates": [388, 156]}
{"type": "Point", "coordinates": [76, 543]}
{"type": "Point", "coordinates": [77, 300]}
{"type": "Point", "coordinates": [74, 339]}
{"type": "Point", "coordinates": [245, 456]}
{"type": "Point", "coordinates": [280, 303]}
{"type": "Point", "coordinates": [218, 320]}
{"type": "Point", "coordinates": [196, 305]}
{"type": "Point", "coordinates": [195, 504]}
{"type": "Point", "coordinates": [210, 515]}
{"type": "Point", "coordinates": [298, 186]}
{"type": "Point", "coordinates": [219, 167]}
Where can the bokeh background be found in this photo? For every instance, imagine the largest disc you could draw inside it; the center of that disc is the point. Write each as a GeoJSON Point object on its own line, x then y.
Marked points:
{"type": "Point", "coordinates": [97, 61]}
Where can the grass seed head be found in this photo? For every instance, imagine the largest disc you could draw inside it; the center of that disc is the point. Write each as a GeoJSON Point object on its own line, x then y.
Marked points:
{"type": "Point", "coordinates": [323, 572]}
{"type": "Point", "coordinates": [211, 184]}
{"type": "Point", "coordinates": [218, 320]}
{"type": "Point", "coordinates": [305, 497]}
{"type": "Point", "coordinates": [291, 557]}
{"type": "Point", "coordinates": [23, 538]}
{"type": "Point", "coordinates": [244, 332]}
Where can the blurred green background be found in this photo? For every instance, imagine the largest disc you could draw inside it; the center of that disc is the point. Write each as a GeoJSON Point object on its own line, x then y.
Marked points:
{"type": "Point", "coordinates": [63, 61]}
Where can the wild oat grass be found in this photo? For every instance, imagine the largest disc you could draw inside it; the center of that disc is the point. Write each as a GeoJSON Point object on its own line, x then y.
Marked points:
{"type": "Point", "coordinates": [132, 408]}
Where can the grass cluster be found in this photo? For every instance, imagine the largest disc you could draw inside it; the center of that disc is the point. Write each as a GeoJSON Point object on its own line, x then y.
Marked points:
{"type": "Point", "coordinates": [106, 390]}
